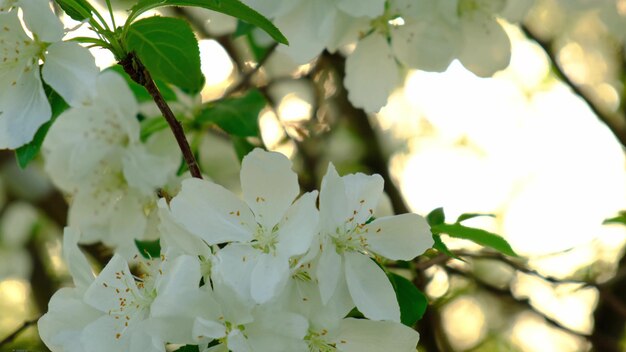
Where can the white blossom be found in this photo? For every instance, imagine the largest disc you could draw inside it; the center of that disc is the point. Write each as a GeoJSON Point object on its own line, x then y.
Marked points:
{"type": "Point", "coordinates": [68, 68]}
{"type": "Point", "coordinates": [265, 230]}
{"type": "Point", "coordinates": [94, 153]}
{"type": "Point", "coordinates": [350, 237]}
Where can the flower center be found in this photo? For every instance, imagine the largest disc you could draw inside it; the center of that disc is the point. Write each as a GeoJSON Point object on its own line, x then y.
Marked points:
{"type": "Point", "coordinates": [317, 343]}
{"type": "Point", "coordinates": [266, 240]}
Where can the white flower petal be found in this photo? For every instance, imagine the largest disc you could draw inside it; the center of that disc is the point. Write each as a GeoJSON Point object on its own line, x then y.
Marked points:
{"type": "Point", "coordinates": [143, 170]}
{"type": "Point", "coordinates": [103, 293]}
{"type": "Point", "coordinates": [101, 336]}
{"type": "Point", "coordinates": [487, 48]}
{"type": "Point", "coordinates": [428, 45]}
{"type": "Point", "coordinates": [212, 213]}
{"type": "Point", "coordinates": [399, 237]}
{"type": "Point", "coordinates": [128, 222]}
{"type": "Point", "coordinates": [234, 266]}
{"type": "Point", "coordinates": [359, 8]}
{"type": "Point", "coordinates": [237, 342]}
{"type": "Point", "coordinates": [371, 73]}
{"type": "Point", "coordinates": [71, 71]}
{"type": "Point", "coordinates": [181, 274]}
{"type": "Point", "coordinates": [363, 193]}
{"type": "Point", "coordinates": [268, 277]}
{"type": "Point", "coordinates": [308, 28]}
{"type": "Point", "coordinates": [362, 335]}
{"type": "Point", "coordinates": [77, 264]}
{"type": "Point", "coordinates": [334, 206]}
{"type": "Point", "coordinates": [329, 271]}
{"type": "Point", "coordinates": [114, 95]}
{"type": "Point", "coordinates": [177, 239]}
{"type": "Point", "coordinates": [67, 316]}
{"type": "Point", "coordinates": [23, 109]}
{"type": "Point", "coordinates": [40, 20]}
{"type": "Point", "coordinates": [269, 185]}
{"type": "Point", "coordinates": [208, 328]}
{"type": "Point", "coordinates": [299, 226]}
{"type": "Point", "coordinates": [370, 288]}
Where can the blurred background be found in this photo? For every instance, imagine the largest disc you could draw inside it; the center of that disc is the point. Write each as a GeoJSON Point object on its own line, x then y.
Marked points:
{"type": "Point", "coordinates": [540, 146]}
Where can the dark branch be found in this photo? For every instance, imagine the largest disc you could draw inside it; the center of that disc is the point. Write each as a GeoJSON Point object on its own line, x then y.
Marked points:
{"type": "Point", "coordinates": [7, 340]}
{"type": "Point", "coordinates": [615, 123]}
{"type": "Point", "coordinates": [138, 72]}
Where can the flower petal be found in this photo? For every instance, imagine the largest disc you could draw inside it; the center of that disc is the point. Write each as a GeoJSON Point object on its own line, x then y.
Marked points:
{"type": "Point", "coordinates": [67, 316]}
{"type": "Point", "coordinates": [109, 288]}
{"type": "Point", "coordinates": [304, 43]}
{"type": "Point", "coordinates": [334, 206]}
{"type": "Point", "coordinates": [71, 70]}
{"type": "Point", "coordinates": [212, 213]}
{"type": "Point", "coordinates": [399, 237]}
{"type": "Point", "coordinates": [208, 328]}
{"type": "Point", "coordinates": [360, 8]}
{"type": "Point", "coordinates": [487, 48]}
{"type": "Point", "coordinates": [23, 109]}
{"type": "Point", "coordinates": [428, 45]}
{"type": "Point", "coordinates": [363, 193]}
{"type": "Point", "coordinates": [329, 271]}
{"type": "Point", "coordinates": [299, 226]}
{"type": "Point", "coordinates": [369, 88]}
{"type": "Point", "coordinates": [269, 277]}
{"type": "Point", "coordinates": [370, 288]}
{"type": "Point", "coordinates": [40, 20]}
{"type": "Point", "coordinates": [362, 335]}
{"type": "Point", "coordinates": [269, 185]}
{"type": "Point", "coordinates": [77, 264]}
{"type": "Point", "coordinates": [234, 266]}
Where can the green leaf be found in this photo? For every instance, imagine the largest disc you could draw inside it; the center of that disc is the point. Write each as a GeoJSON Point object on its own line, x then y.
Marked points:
{"type": "Point", "coordinates": [441, 247]}
{"type": "Point", "coordinates": [242, 146]}
{"type": "Point", "coordinates": [26, 153]}
{"type": "Point", "coordinates": [78, 10]}
{"type": "Point", "coordinates": [468, 216]}
{"type": "Point", "coordinates": [237, 116]}
{"type": "Point", "coordinates": [234, 8]}
{"type": "Point", "coordinates": [479, 236]}
{"type": "Point", "coordinates": [243, 28]}
{"type": "Point", "coordinates": [169, 50]}
{"type": "Point", "coordinates": [436, 217]}
{"type": "Point", "coordinates": [149, 249]}
{"type": "Point", "coordinates": [188, 348]}
{"type": "Point", "coordinates": [412, 301]}
{"type": "Point", "coordinates": [141, 94]}
{"type": "Point", "coordinates": [620, 219]}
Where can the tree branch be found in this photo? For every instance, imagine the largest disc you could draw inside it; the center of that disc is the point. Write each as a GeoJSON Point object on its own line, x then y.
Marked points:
{"type": "Point", "coordinates": [12, 336]}
{"type": "Point", "coordinates": [523, 302]}
{"type": "Point", "coordinates": [138, 72]}
{"type": "Point", "coordinates": [615, 123]}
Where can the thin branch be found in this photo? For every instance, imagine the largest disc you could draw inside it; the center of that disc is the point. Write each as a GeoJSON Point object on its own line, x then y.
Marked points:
{"type": "Point", "coordinates": [616, 124]}
{"type": "Point", "coordinates": [7, 340]}
{"type": "Point", "coordinates": [523, 302]}
{"type": "Point", "coordinates": [244, 81]}
{"type": "Point", "coordinates": [440, 259]}
{"type": "Point", "coordinates": [138, 72]}
{"type": "Point", "coordinates": [522, 268]}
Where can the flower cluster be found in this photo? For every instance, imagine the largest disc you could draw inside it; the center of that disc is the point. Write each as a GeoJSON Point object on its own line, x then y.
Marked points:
{"type": "Point", "coordinates": [269, 272]}
{"type": "Point", "coordinates": [389, 36]}
{"type": "Point", "coordinates": [94, 154]}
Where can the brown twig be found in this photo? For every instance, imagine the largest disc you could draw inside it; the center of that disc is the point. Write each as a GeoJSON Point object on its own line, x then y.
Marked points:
{"type": "Point", "coordinates": [138, 72]}
{"type": "Point", "coordinates": [616, 124]}
{"type": "Point", "coordinates": [17, 332]}
{"type": "Point", "coordinates": [498, 291]}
